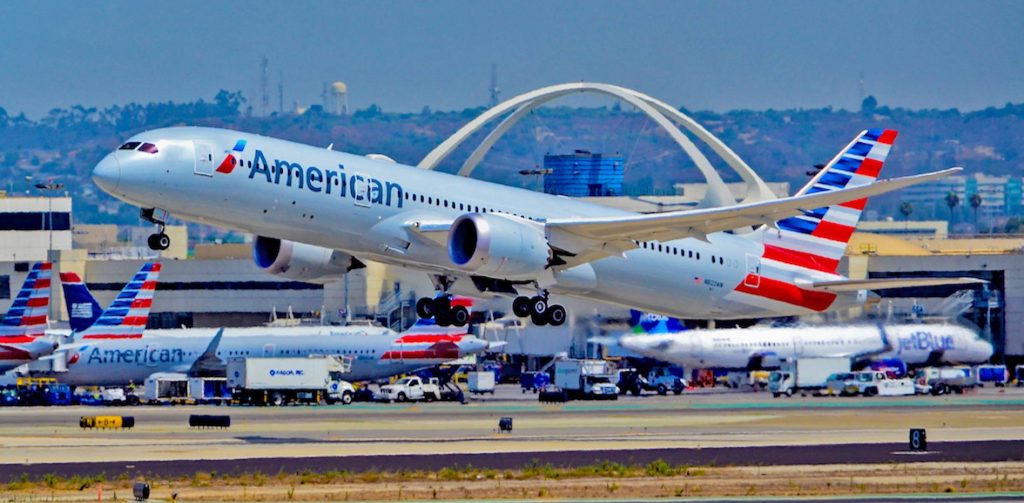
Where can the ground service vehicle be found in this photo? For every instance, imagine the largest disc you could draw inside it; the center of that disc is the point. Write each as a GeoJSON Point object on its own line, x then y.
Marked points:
{"type": "Point", "coordinates": [481, 381]}
{"type": "Point", "coordinates": [805, 375]}
{"type": "Point", "coordinates": [991, 374]}
{"type": "Point", "coordinates": [278, 381]}
{"type": "Point", "coordinates": [175, 389]}
{"type": "Point", "coordinates": [102, 396]}
{"type": "Point", "coordinates": [412, 388]}
{"type": "Point", "coordinates": [659, 379]}
{"type": "Point", "coordinates": [583, 379]}
{"type": "Point", "coordinates": [836, 383]}
{"type": "Point", "coordinates": [877, 382]}
{"type": "Point", "coordinates": [943, 380]}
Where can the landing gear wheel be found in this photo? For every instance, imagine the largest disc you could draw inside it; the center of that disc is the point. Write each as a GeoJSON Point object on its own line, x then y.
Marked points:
{"type": "Point", "coordinates": [521, 306]}
{"type": "Point", "coordinates": [556, 315]}
{"type": "Point", "coordinates": [425, 307]}
{"type": "Point", "coordinates": [159, 241]}
{"type": "Point", "coordinates": [460, 316]}
{"type": "Point", "coordinates": [539, 319]}
{"type": "Point", "coordinates": [442, 305]}
{"type": "Point", "coordinates": [538, 305]}
{"type": "Point", "coordinates": [443, 319]}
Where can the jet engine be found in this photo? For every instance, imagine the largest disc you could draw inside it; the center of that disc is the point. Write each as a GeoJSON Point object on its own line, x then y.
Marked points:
{"type": "Point", "coordinates": [302, 262]}
{"type": "Point", "coordinates": [497, 246]}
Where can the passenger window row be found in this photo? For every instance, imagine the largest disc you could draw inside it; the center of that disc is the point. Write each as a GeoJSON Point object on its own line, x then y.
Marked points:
{"type": "Point", "coordinates": [445, 203]}
{"type": "Point", "coordinates": [679, 252]}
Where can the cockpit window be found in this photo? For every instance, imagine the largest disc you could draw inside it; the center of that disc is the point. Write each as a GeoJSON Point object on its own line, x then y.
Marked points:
{"type": "Point", "coordinates": [132, 145]}
{"type": "Point", "coordinates": [148, 148]}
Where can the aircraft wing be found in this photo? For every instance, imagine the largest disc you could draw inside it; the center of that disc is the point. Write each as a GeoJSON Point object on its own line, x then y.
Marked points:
{"type": "Point", "coordinates": [853, 285]}
{"type": "Point", "coordinates": [593, 238]}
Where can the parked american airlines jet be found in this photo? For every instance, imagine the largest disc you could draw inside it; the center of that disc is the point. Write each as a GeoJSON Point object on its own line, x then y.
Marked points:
{"type": "Point", "coordinates": [320, 213]}
{"type": "Point", "coordinates": [22, 331]}
{"type": "Point", "coordinates": [765, 347]}
{"type": "Point", "coordinates": [99, 356]}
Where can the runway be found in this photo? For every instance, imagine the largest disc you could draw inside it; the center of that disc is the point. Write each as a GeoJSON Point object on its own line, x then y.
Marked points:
{"type": "Point", "coordinates": [695, 429]}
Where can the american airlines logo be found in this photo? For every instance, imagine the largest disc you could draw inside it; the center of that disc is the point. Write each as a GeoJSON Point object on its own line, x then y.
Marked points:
{"type": "Point", "coordinates": [362, 190]}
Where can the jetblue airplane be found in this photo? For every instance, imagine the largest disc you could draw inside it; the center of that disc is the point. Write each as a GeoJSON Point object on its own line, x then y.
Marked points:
{"type": "Point", "coordinates": [23, 329]}
{"type": "Point", "coordinates": [114, 350]}
{"type": "Point", "coordinates": [318, 214]}
{"type": "Point", "coordinates": [758, 347]}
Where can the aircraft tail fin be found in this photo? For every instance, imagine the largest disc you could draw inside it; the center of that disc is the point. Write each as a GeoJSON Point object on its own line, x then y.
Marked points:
{"type": "Point", "coordinates": [26, 318]}
{"type": "Point", "coordinates": [818, 238]}
{"type": "Point", "coordinates": [127, 315]}
{"type": "Point", "coordinates": [83, 309]}
{"type": "Point", "coordinates": [648, 323]}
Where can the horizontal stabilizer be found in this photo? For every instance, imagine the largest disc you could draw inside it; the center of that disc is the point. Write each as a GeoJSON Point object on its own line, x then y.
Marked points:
{"type": "Point", "coordinates": [853, 285]}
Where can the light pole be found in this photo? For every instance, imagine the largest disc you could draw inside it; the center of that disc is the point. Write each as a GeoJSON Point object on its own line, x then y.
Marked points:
{"type": "Point", "coordinates": [50, 186]}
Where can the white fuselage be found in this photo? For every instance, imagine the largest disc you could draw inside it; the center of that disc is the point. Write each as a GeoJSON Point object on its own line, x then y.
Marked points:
{"type": "Point", "coordinates": [738, 348]}
{"type": "Point", "coordinates": [375, 352]}
{"type": "Point", "coordinates": [365, 207]}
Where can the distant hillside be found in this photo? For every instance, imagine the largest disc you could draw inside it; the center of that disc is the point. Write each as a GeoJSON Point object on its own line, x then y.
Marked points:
{"type": "Point", "coordinates": [780, 144]}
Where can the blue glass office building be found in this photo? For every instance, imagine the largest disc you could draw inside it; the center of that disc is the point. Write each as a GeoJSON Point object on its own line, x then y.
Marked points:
{"type": "Point", "coordinates": [583, 174]}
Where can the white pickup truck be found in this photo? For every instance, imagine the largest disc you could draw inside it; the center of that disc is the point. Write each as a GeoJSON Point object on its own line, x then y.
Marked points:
{"type": "Point", "coordinates": [876, 382]}
{"type": "Point", "coordinates": [409, 389]}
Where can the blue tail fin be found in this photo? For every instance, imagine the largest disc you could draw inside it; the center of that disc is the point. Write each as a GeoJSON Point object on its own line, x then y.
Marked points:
{"type": "Point", "coordinates": [647, 323]}
{"type": "Point", "coordinates": [83, 310]}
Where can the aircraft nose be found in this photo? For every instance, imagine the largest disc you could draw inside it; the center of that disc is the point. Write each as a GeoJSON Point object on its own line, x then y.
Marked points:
{"type": "Point", "coordinates": [987, 350]}
{"type": "Point", "coordinates": [107, 174]}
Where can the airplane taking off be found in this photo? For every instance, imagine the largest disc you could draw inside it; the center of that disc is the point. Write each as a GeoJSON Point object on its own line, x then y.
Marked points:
{"type": "Point", "coordinates": [765, 347]}
{"type": "Point", "coordinates": [23, 328]}
{"type": "Point", "coordinates": [96, 357]}
{"type": "Point", "coordinates": [318, 214]}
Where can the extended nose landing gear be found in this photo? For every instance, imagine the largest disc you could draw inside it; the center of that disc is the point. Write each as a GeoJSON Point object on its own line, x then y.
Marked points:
{"type": "Point", "coordinates": [538, 310]}
{"type": "Point", "coordinates": [160, 240]}
{"type": "Point", "coordinates": [440, 306]}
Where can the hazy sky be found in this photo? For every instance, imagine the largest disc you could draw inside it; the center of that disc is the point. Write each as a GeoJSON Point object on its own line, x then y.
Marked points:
{"type": "Point", "coordinates": [404, 55]}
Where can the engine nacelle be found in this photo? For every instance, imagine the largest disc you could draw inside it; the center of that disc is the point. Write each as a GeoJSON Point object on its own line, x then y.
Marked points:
{"type": "Point", "coordinates": [302, 262]}
{"type": "Point", "coordinates": [498, 247]}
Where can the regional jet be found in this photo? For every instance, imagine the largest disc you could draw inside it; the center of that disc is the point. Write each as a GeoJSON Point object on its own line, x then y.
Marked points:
{"type": "Point", "coordinates": [758, 347]}
{"type": "Point", "coordinates": [318, 214]}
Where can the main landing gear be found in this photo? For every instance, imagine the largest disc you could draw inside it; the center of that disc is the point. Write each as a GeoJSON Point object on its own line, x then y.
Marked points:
{"type": "Point", "coordinates": [160, 240]}
{"type": "Point", "coordinates": [440, 306]}
{"type": "Point", "coordinates": [538, 310]}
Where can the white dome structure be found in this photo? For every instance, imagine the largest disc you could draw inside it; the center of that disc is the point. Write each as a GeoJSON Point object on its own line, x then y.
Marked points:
{"type": "Point", "coordinates": [668, 118]}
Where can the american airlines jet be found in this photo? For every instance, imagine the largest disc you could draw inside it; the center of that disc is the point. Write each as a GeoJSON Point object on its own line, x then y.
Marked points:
{"type": "Point", "coordinates": [759, 347]}
{"type": "Point", "coordinates": [319, 214]}
{"type": "Point", "coordinates": [115, 350]}
{"type": "Point", "coordinates": [23, 329]}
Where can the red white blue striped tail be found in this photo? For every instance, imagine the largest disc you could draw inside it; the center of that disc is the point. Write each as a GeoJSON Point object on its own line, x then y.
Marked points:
{"type": "Point", "coordinates": [127, 315]}
{"type": "Point", "coordinates": [26, 318]}
{"type": "Point", "coordinates": [818, 238]}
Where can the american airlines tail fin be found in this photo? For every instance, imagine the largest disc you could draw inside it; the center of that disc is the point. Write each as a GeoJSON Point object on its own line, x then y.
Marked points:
{"type": "Point", "coordinates": [818, 238]}
{"type": "Point", "coordinates": [647, 323]}
{"type": "Point", "coordinates": [26, 319]}
{"type": "Point", "coordinates": [83, 310]}
{"type": "Point", "coordinates": [127, 315]}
